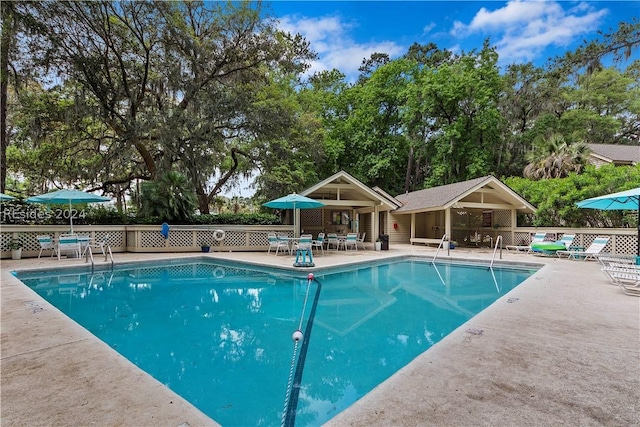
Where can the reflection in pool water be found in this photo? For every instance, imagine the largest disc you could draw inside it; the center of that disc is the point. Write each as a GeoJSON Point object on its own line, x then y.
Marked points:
{"type": "Point", "coordinates": [220, 334]}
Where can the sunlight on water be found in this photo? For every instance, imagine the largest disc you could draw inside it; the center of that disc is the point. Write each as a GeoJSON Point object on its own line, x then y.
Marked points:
{"type": "Point", "coordinates": [220, 335]}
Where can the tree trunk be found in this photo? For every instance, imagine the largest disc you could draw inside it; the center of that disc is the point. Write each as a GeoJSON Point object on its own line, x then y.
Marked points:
{"type": "Point", "coordinates": [5, 43]}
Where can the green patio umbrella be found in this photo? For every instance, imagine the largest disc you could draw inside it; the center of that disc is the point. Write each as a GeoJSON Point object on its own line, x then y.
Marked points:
{"type": "Point", "coordinates": [623, 200]}
{"type": "Point", "coordinates": [70, 197]}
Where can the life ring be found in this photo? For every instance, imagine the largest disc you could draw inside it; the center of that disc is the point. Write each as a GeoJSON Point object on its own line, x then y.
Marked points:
{"type": "Point", "coordinates": [219, 235]}
{"type": "Point", "coordinates": [218, 272]}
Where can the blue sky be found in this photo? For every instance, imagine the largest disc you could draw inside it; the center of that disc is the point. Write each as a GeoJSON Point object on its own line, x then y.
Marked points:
{"type": "Point", "coordinates": [343, 33]}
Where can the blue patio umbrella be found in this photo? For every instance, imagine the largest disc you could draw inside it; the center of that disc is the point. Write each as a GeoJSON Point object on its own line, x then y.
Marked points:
{"type": "Point", "coordinates": [6, 197]}
{"type": "Point", "coordinates": [623, 200]}
{"type": "Point", "coordinates": [294, 201]}
{"type": "Point", "coordinates": [70, 197]}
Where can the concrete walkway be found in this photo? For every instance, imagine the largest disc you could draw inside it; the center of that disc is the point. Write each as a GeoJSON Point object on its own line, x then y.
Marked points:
{"type": "Point", "coordinates": [563, 348]}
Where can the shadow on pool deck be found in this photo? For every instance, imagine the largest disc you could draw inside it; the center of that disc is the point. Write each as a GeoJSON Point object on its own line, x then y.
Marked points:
{"type": "Point", "coordinates": [561, 349]}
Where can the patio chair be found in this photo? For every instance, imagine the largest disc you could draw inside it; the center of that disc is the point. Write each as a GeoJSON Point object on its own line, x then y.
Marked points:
{"type": "Point", "coordinates": [351, 241]}
{"type": "Point", "coordinates": [361, 240]}
{"type": "Point", "coordinates": [47, 244]}
{"type": "Point", "coordinates": [590, 253]}
{"type": "Point", "coordinates": [304, 242]}
{"type": "Point", "coordinates": [608, 260]}
{"type": "Point", "coordinates": [69, 244]}
{"type": "Point", "coordinates": [538, 237]}
{"type": "Point", "coordinates": [567, 240]}
{"type": "Point", "coordinates": [332, 240]}
{"type": "Point", "coordinates": [319, 242]}
{"type": "Point", "coordinates": [613, 269]}
{"type": "Point", "coordinates": [276, 243]}
{"type": "Point", "coordinates": [627, 279]}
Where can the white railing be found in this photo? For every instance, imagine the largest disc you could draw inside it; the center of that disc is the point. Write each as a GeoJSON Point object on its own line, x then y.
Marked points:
{"type": "Point", "coordinates": [238, 238]}
{"type": "Point", "coordinates": [147, 238]}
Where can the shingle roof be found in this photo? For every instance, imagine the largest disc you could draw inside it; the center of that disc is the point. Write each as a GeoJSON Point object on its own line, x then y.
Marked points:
{"type": "Point", "coordinates": [437, 196]}
{"type": "Point", "coordinates": [446, 196]}
{"type": "Point", "coordinates": [617, 153]}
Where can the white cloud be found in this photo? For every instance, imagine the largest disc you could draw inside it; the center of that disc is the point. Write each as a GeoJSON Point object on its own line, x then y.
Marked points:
{"type": "Point", "coordinates": [522, 30]}
{"type": "Point", "coordinates": [331, 38]}
{"type": "Point", "coordinates": [427, 28]}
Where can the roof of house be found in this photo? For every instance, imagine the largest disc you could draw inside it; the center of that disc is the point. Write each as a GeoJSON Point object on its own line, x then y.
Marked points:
{"type": "Point", "coordinates": [616, 153]}
{"type": "Point", "coordinates": [342, 189]}
{"type": "Point", "coordinates": [446, 196]}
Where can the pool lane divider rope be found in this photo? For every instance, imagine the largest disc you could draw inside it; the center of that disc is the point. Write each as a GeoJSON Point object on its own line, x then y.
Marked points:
{"type": "Point", "coordinates": [293, 387]}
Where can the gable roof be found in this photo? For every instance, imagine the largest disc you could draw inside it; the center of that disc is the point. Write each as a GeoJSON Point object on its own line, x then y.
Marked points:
{"type": "Point", "coordinates": [342, 189]}
{"type": "Point", "coordinates": [446, 196]}
{"type": "Point", "coordinates": [616, 153]}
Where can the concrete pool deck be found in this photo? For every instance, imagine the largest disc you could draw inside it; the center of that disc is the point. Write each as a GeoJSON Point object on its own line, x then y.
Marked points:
{"type": "Point", "coordinates": [563, 348]}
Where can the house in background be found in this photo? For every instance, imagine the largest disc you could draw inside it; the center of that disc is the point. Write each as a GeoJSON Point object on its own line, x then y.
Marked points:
{"type": "Point", "coordinates": [619, 155]}
{"type": "Point", "coordinates": [472, 212]}
{"type": "Point", "coordinates": [349, 206]}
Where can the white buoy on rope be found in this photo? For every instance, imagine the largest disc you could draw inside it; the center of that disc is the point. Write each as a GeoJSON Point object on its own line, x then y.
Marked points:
{"type": "Point", "coordinates": [297, 335]}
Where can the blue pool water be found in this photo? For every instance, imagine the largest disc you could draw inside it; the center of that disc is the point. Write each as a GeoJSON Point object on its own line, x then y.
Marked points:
{"type": "Point", "coordinates": [220, 334]}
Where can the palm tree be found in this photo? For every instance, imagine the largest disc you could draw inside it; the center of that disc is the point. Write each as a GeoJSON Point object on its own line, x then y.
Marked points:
{"type": "Point", "coordinates": [555, 157]}
{"type": "Point", "coordinates": [170, 197]}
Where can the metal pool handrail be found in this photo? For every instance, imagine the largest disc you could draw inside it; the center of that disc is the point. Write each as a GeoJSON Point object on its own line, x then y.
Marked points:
{"type": "Point", "coordinates": [444, 239]}
{"type": "Point", "coordinates": [498, 241]}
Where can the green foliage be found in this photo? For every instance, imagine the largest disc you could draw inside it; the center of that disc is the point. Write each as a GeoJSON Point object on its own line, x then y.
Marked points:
{"type": "Point", "coordinates": [170, 198]}
{"type": "Point", "coordinates": [555, 157]}
{"type": "Point", "coordinates": [237, 219]}
{"type": "Point", "coordinates": [102, 215]}
{"type": "Point", "coordinates": [556, 198]}
{"type": "Point", "coordinates": [214, 91]}
{"type": "Point", "coordinates": [15, 244]}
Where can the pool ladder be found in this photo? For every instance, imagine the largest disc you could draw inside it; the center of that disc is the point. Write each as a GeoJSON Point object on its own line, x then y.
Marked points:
{"type": "Point", "coordinates": [495, 249]}
{"type": "Point", "coordinates": [445, 238]}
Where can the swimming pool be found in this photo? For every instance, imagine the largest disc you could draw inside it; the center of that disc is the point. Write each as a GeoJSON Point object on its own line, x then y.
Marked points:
{"type": "Point", "coordinates": [219, 334]}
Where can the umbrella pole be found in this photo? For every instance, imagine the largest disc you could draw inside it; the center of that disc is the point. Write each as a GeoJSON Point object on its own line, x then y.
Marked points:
{"type": "Point", "coordinates": [71, 216]}
{"type": "Point", "coordinates": [638, 225]}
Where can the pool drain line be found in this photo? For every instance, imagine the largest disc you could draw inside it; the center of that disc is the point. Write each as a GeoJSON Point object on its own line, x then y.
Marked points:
{"type": "Point", "coordinates": [293, 386]}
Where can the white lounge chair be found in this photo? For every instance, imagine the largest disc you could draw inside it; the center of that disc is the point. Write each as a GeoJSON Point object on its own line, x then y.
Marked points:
{"type": "Point", "coordinates": [627, 279]}
{"type": "Point", "coordinates": [613, 269]}
{"type": "Point", "coordinates": [567, 240]}
{"type": "Point", "coordinates": [591, 252]}
{"type": "Point", "coordinates": [610, 259]}
{"type": "Point", "coordinates": [538, 237]}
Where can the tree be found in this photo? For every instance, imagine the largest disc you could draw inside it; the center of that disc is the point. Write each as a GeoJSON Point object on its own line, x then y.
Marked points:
{"type": "Point", "coordinates": [555, 157]}
{"type": "Point", "coordinates": [16, 24]}
{"type": "Point", "coordinates": [176, 84]}
{"type": "Point", "coordinates": [462, 100]}
{"type": "Point", "coordinates": [602, 107]}
{"type": "Point", "coordinates": [521, 103]}
{"type": "Point", "coordinates": [170, 198]}
{"type": "Point", "coordinates": [618, 44]}
{"type": "Point", "coordinates": [556, 198]}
